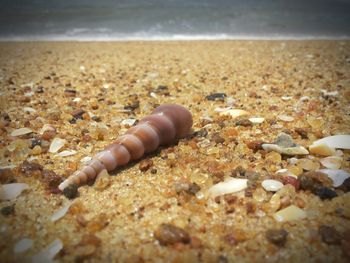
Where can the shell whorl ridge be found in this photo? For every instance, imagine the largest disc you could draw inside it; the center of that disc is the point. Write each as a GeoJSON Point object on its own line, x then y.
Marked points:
{"type": "Point", "coordinates": [166, 124]}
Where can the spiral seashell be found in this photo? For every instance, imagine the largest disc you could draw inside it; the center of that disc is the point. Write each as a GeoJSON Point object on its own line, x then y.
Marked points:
{"type": "Point", "coordinates": [166, 124]}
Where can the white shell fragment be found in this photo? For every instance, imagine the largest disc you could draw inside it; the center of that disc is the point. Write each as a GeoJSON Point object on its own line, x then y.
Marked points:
{"type": "Point", "coordinates": [271, 185]}
{"type": "Point", "coordinates": [234, 113]}
{"type": "Point", "coordinates": [23, 245]}
{"type": "Point", "coordinates": [285, 98]}
{"type": "Point", "coordinates": [66, 153]}
{"type": "Point", "coordinates": [11, 191]}
{"type": "Point", "coordinates": [329, 93]}
{"type": "Point", "coordinates": [29, 109]}
{"type": "Point", "coordinates": [297, 150]}
{"type": "Point", "coordinates": [46, 127]}
{"type": "Point", "coordinates": [289, 213]}
{"type": "Point", "coordinates": [56, 145]}
{"type": "Point", "coordinates": [332, 162]}
{"type": "Point", "coordinates": [129, 122]}
{"type": "Point", "coordinates": [335, 141]}
{"type": "Point", "coordinates": [21, 131]}
{"type": "Point", "coordinates": [338, 176]}
{"type": "Point", "coordinates": [48, 253]}
{"type": "Point", "coordinates": [285, 118]}
{"type": "Point", "coordinates": [61, 212]}
{"type": "Point", "coordinates": [86, 159]}
{"type": "Point", "coordinates": [230, 185]}
{"type": "Point", "coordinates": [257, 120]}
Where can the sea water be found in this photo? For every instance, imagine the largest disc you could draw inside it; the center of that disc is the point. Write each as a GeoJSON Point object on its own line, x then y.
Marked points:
{"type": "Point", "coordinates": [173, 19]}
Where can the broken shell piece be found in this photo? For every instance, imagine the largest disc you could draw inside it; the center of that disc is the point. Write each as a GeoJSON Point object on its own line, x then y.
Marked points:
{"type": "Point", "coordinates": [11, 191]}
{"type": "Point", "coordinates": [230, 185]}
{"type": "Point", "coordinates": [86, 159]}
{"type": "Point", "coordinates": [329, 93]}
{"type": "Point", "coordinates": [21, 131]}
{"type": "Point", "coordinates": [285, 98]}
{"type": "Point", "coordinates": [286, 172]}
{"type": "Point", "coordinates": [47, 127]}
{"type": "Point", "coordinates": [66, 153]}
{"type": "Point", "coordinates": [56, 145]}
{"type": "Point", "coordinates": [337, 176]}
{"type": "Point", "coordinates": [61, 212]}
{"type": "Point", "coordinates": [128, 122]}
{"type": "Point", "coordinates": [285, 118]}
{"type": "Point", "coordinates": [297, 150]}
{"type": "Point", "coordinates": [335, 141]}
{"type": "Point", "coordinates": [256, 120]}
{"type": "Point", "coordinates": [29, 109]}
{"type": "Point", "coordinates": [284, 144]}
{"type": "Point", "coordinates": [321, 149]}
{"type": "Point", "coordinates": [49, 252]}
{"type": "Point", "coordinates": [23, 245]}
{"type": "Point", "coordinates": [271, 185]}
{"type": "Point", "coordinates": [234, 113]}
{"type": "Point", "coordinates": [289, 213]}
{"type": "Point", "coordinates": [332, 162]}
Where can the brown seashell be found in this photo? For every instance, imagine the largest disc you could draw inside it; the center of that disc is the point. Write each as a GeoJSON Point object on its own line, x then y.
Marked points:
{"type": "Point", "coordinates": [166, 124]}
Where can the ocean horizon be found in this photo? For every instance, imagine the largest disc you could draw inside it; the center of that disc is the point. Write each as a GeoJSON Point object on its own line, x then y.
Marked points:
{"type": "Point", "coordinates": [168, 20]}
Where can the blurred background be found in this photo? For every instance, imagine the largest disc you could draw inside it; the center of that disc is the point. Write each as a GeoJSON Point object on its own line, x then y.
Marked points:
{"type": "Point", "coordinates": [173, 19]}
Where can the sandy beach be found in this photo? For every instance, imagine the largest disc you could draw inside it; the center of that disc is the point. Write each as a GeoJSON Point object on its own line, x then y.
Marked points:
{"type": "Point", "coordinates": [88, 93]}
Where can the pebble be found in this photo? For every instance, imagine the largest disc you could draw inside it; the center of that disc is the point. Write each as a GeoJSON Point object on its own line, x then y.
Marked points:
{"type": "Point", "coordinates": [285, 118]}
{"type": "Point", "coordinates": [71, 191]}
{"type": "Point", "coordinates": [321, 149]}
{"type": "Point", "coordinates": [257, 120]}
{"type": "Point", "coordinates": [271, 185]}
{"type": "Point", "coordinates": [277, 236]}
{"type": "Point", "coordinates": [325, 193]}
{"type": "Point", "coordinates": [292, 181]}
{"type": "Point", "coordinates": [145, 165]}
{"type": "Point", "coordinates": [302, 132]}
{"type": "Point", "coordinates": [244, 123]}
{"type": "Point", "coordinates": [234, 113]}
{"type": "Point", "coordinates": [103, 180]}
{"type": "Point", "coordinates": [329, 235]}
{"type": "Point", "coordinates": [308, 165]}
{"type": "Point", "coordinates": [8, 210]}
{"type": "Point", "coordinates": [216, 96]}
{"type": "Point", "coordinates": [217, 138]}
{"type": "Point", "coordinates": [168, 234]}
{"type": "Point", "coordinates": [255, 145]}
{"type": "Point", "coordinates": [289, 213]}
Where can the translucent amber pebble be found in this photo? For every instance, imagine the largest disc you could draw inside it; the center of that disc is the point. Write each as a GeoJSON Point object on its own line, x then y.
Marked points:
{"type": "Point", "coordinates": [315, 123]}
{"type": "Point", "coordinates": [308, 165]}
{"type": "Point", "coordinates": [289, 213]}
{"type": "Point", "coordinates": [294, 169]}
{"type": "Point", "coordinates": [321, 149]}
{"type": "Point", "coordinates": [273, 157]}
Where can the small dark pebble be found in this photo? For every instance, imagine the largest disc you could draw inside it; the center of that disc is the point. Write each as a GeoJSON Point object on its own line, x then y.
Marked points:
{"type": "Point", "coordinates": [168, 234]}
{"type": "Point", "coordinates": [30, 168]}
{"type": "Point", "coordinates": [193, 188]}
{"type": "Point", "coordinates": [70, 191]}
{"type": "Point", "coordinates": [96, 118]}
{"type": "Point", "coordinates": [145, 165]}
{"type": "Point", "coordinates": [222, 259]}
{"type": "Point", "coordinates": [78, 114]}
{"type": "Point", "coordinates": [329, 235]}
{"type": "Point", "coordinates": [6, 176]}
{"type": "Point", "coordinates": [302, 132]}
{"type": "Point", "coordinates": [217, 138]}
{"type": "Point", "coordinates": [244, 123]}
{"type": "Point", "coordinates": [162, 90]}
{"type": "Point", "coordinates": [70, 92]}
{"type": "Point", "coordinates": [153, 171]}
{"type": "Point", "coordinates": [52, 180]}
{"type": "Point", "coordinates": [309, 183]}
{"type": "Point", "coordinates": [346, 185]}
{"type": "Point", "coordinates": [8, 210]}
{"type": "Point", "coordinates": [277, 236]}
{"type": "Point", "coordinates": [34, 142]}
{"type": "Point", "coordinates": [239, 171]}
{"type": "Point", "coordinates": [325, 193]}
{"type": "Point", "coordinates": [39, 90]}
{"type": "Point", "coordinates": [255, 145]}
{"type": "Point", "coordinates": [216, 96]}
{"type": "Point", "coordinates": [132, 106]}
